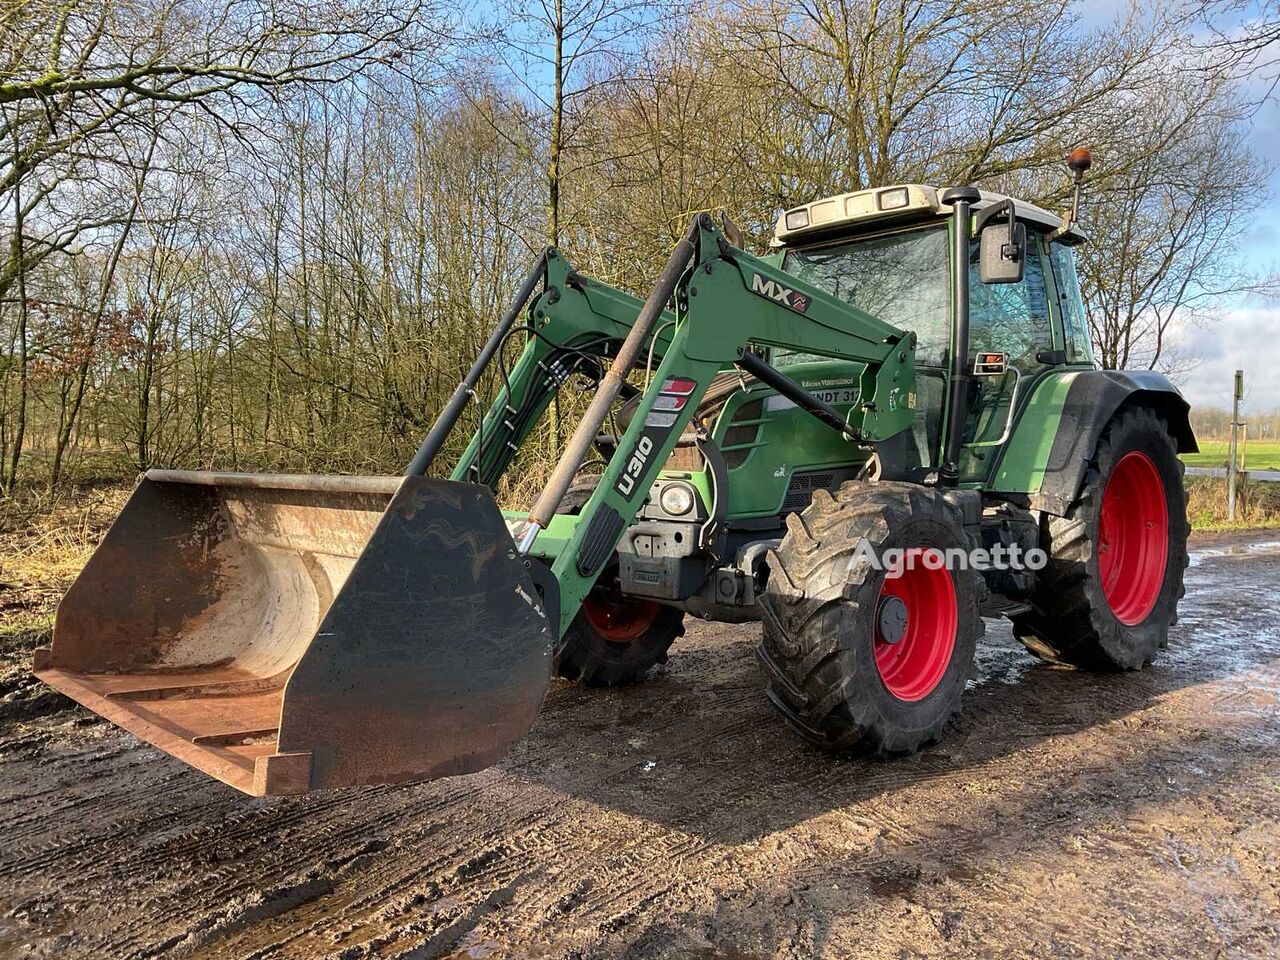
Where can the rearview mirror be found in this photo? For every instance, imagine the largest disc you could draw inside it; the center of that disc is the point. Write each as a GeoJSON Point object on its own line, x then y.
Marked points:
{"type": "Point", "coordinates": [1002, 254]}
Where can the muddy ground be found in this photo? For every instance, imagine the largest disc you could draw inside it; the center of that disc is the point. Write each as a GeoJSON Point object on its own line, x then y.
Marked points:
{"type": "Point", "coordinates": [1066, 815]}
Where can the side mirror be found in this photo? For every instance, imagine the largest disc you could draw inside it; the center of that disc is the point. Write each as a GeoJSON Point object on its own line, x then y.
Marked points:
{"type": "Point", "coordinates": [1002, 247]}
{"type": "Point", "coordinates": [1002, 255]}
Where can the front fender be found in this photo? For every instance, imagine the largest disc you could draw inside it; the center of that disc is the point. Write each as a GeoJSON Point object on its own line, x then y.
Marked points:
{"type": "Point", "coordinates": [1055, 437]}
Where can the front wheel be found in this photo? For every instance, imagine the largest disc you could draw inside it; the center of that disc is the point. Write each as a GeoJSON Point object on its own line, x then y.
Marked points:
{"type": "Point", "coordinates": [870, 656]}
{"type": "Point", "coordinates": [616, 639]}
{"type": "Point", "coordinates": [1111, 588]}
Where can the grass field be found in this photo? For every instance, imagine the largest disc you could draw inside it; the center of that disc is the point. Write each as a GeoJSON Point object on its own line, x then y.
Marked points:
{"type": "Point", "coordinates": [1258, 455]}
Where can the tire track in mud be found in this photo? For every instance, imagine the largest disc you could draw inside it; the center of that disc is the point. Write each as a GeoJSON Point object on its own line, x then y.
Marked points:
{"type": "Point", "coordinates": [466, 859]}
{"type": "Point", "coordinates": [505, 857]}
{"type": "Point", "coordinates": [674, 817]}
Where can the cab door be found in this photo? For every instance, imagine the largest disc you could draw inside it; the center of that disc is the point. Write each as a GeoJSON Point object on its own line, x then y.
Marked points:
{"type": "Point", "coordinates": [1012, 321]}
{"type": "Point", "coordinates": [1076, 336]}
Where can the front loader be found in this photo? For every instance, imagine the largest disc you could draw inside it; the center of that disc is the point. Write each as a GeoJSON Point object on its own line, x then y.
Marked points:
{"type": "Point", "coordinates": [903, 376]}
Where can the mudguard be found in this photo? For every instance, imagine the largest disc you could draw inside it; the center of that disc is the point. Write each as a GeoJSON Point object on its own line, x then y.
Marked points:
{"type": "Point", "coordinates": [1056, 434]}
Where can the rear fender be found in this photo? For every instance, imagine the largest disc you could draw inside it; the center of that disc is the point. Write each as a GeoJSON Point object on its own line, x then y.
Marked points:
{"type": "Point", "coordinates": [1055, 437]}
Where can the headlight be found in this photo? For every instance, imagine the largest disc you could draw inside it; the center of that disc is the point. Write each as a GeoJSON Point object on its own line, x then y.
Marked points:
{"type": "Point", "coordinates": [797, 219]}
{"type": "Point", "coordinates": [893, 199]}
{"type": "Point", "coordinates": [676, 499]}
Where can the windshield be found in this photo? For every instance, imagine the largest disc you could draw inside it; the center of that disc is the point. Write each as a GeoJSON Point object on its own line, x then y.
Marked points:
{"type": "Point", "coordinates": [900, 278]}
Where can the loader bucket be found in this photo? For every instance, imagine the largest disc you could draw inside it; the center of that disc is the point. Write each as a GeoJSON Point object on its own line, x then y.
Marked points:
{"type": "Point", "coordinates": [288, 633]}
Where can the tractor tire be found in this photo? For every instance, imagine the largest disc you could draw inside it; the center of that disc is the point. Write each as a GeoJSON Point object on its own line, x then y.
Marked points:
{"type": "Point", "coordinates": [1111, 588]}
{"type": "Point", "coordinates": [576, 497]}
{"type": "Point", "coordinates": [856, 659]}
{"type": "Point", "coordinates": [615, 640]}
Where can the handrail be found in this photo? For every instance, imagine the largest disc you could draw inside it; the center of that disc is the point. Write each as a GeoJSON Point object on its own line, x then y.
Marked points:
{"type": "Point", "coordinates": [1008, 422]}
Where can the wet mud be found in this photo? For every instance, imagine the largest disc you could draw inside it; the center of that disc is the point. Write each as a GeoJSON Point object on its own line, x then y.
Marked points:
{"type": "Point", "coordinates": [1066, 814]}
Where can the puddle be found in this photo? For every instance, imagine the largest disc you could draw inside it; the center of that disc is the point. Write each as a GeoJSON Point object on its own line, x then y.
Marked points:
{"type": "Point", "coordinates": [1262, 549]}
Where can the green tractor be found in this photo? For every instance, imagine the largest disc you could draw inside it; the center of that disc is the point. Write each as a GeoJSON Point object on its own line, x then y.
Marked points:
{"type": "Point", "coordinates": [886, 429]}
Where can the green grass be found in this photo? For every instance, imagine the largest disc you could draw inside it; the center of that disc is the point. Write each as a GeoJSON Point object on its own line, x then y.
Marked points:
{"type": "Point", "coordinates": [1258, 455]}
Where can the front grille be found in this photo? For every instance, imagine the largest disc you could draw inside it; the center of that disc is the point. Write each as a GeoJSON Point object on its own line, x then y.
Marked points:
{"type": "Point", "coordinates": [800, 489]}
{"type": "Point", "coordinates": [744, 435]}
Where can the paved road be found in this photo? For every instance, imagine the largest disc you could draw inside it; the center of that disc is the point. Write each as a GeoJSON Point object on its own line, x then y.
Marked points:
{"type": "Point", "coordinates": [1067, 814]}
{"type": "Point", "coordinates": [1270, 476]}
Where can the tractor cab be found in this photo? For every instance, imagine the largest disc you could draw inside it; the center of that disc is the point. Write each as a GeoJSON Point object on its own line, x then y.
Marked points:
{"type": "Point", "coordinates": [891, 255]}
{"type": "Point", "coordinates": [890, 252]}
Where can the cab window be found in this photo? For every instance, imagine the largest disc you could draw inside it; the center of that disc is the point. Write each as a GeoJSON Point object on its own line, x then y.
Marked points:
{"type": "Point", "coordinates": [1010, 318]}
{"type": "Point", "coordinates": [900, 278]}
{"type": "Point", "coordinates": [1075, 325]}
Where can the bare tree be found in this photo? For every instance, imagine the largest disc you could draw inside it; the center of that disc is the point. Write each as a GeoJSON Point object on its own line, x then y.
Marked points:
{"type": "Point", "coordinates": [1244, 36]}
{"type": "Point", "coordinates": [87, 89]}
{"type": "Point", "coordinates": [1167, 213]}
{"type": "Point", "coordinates": [960, 91]}
{"type": "Point", "coordinates": [833, 95]}
{"type": "Point", "coordinates": [81, 78]}
{"type": "Point", "coordinates": [564, 55]}
{"type": "Point", "coordinates": [279, 246]}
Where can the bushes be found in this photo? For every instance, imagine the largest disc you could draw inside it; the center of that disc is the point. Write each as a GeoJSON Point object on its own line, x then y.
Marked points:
{"type": "Point", "coordinates": [1257, 503]}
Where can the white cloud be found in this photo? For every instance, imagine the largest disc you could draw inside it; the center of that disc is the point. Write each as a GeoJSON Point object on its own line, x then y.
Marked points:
{"type": "Point", "coordinates": [1246, 338]}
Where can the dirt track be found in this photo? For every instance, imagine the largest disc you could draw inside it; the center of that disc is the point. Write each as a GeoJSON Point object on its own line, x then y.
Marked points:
{"type": "Point", "coordinates": [1065, 815]}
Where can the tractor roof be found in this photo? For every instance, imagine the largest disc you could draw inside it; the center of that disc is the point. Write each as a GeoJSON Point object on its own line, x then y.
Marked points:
{"type": "Point", "coordinates": [851, 213]}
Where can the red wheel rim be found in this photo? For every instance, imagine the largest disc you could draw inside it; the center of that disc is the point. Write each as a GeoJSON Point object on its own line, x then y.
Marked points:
{"type": "Point", "coordinates": [912, 668]}
{"type": "Point", "coordinates": [620, 622]}
{"type": "Point", "coordinates": [1133, 538]}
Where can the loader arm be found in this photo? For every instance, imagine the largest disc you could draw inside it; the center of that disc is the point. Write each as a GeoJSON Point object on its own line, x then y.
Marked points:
{"type": "Point", "coordinates": [727, 302]}
{"type": "Point", "coordinates": [572, 326]}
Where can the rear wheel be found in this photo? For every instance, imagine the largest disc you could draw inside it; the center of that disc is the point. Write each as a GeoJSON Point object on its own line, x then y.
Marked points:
{"type": "Point", "coordinates": [866, 658]}
{"type": "Point", "coordinates": [1111, 589]}
{"type": "Point", "coordinates": [615, 639]}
